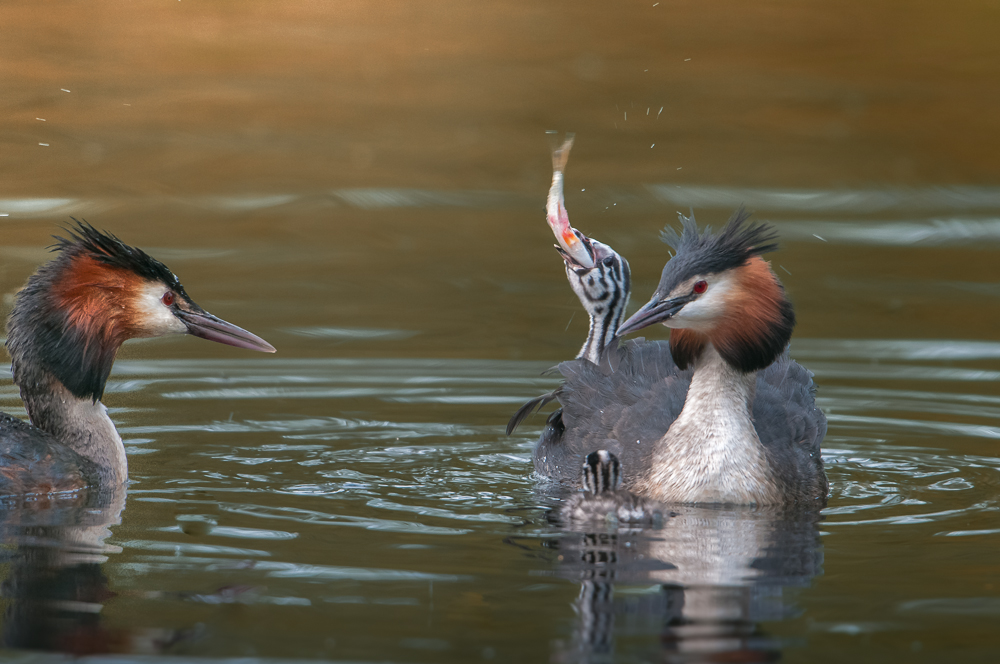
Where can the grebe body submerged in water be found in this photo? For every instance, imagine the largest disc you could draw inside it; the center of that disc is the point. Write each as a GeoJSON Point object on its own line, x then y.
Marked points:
{"type": "Point", "coordinates": [63, 334]}
{"type": "Point", "coordinates": [720, 414]}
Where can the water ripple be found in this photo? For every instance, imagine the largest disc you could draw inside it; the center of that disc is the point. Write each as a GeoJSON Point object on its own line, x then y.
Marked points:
{"type": "Point", "coordinates": [895, 349]}
{"type": "Point", "coordinates": [352, 333]}
{"type": "Point", "coordinates": [423, 510]}
{"type": "Point", "coordinates": [852, 201]}
{"type": "Point", "coordinates": [180, 548]}
{"type": "Point", "coordinates": [918, 426]}
{"type": "Point", "coordinates": [882, 453]}
{"type": "Point", "coordinates": [313, 517]}
{"type": "Point", "coordinates": [316, 572]}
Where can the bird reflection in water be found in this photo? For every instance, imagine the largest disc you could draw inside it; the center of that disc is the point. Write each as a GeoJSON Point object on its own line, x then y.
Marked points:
{"type": "Point", "coordinates": [55, 588]}
{"type": "Point", "coordinates": [701, 584]}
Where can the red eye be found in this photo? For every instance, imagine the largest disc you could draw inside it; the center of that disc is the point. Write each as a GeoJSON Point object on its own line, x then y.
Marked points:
{"type": "Point", "coordinates": [700, 287]}
{"type": "Point", "coordinates": [167, 299]}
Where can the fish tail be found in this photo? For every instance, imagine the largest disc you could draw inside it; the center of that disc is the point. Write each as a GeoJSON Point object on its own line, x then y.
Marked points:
{"type": "Point", "coordinates": [561, 154]}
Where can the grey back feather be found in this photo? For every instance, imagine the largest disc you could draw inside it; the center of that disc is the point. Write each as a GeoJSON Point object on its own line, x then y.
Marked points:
{"type": "Point", "coordinates": [634, 394]}
{"type": "Point", "coordinates": [628, 402]}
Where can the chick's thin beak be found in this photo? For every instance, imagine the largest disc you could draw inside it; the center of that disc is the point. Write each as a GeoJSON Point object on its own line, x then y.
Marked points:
{"type": "Point", "coordinates": [654, 311]}
{"type": "Point", "coordinates": [205, 325]}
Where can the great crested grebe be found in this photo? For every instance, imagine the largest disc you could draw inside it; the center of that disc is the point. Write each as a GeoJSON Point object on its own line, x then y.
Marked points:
{"type": "Point", "coordinates": [720, 414]}
{"type": "Point", "coordinates": [63, 334]}
{"type": "Point", "coordinates": [599, 276]}
{"type": "Point", "coordinates": [602, 499]}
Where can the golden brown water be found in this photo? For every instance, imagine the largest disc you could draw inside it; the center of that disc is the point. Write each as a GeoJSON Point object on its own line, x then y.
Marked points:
{"type": "Point", "coordinates": [363, 184]}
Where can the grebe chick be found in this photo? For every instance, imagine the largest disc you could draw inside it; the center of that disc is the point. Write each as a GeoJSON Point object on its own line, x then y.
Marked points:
{"type": "Point", "coordinates": [598, 275]}
{"type": "Point", "coordinates": [63, 334]}
{"type": "Point", "coordinates": [720, 414]}
{"type": "Point", "coordinates": [603, 500]}
{"type": "Point", "coordinates": [603, 291]}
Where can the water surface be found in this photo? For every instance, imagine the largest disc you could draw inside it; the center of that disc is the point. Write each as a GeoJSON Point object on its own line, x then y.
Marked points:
{"type": "Point", "coordinates": [363, 185]}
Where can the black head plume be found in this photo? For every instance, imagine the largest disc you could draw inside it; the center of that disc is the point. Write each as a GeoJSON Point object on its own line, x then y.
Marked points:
{"type": "Point", "coordinates": [108, 249]}
{"type": "Point", "coordinates": [702, 253]}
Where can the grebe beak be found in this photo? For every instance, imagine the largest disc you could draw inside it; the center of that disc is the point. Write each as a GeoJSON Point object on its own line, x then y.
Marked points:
{"type": "Point", "coordinates": [583, 257]}
{"type": "Point", "coordinates": [576, 249]}
{"type": "Point", "coordinates": [579, 255]}
{"type": "Point", "coordinates": [654, 311]}
{"type": "Point", "coordinates": [202, 324]}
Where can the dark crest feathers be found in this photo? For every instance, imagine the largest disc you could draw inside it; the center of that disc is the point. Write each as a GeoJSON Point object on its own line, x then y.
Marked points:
{"type": "Point", "coordinates": [700, 253]}
{"type": "Point", "coordinates": [108, 249]}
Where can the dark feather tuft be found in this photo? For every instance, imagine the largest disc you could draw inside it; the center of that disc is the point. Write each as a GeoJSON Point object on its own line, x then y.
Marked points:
{"type": "Point", "coordinates": [82, 366]}
{"type": "Point", "coordinates": [527, 409]}
{"type": "Point", "coordinates": [701, 253]}
{"type": "Point", "coordinates": [686, 346]}
{"type": "Point", "coordinates": [108, 249]}
{"type": "Point", "coordinates": [755, 352]}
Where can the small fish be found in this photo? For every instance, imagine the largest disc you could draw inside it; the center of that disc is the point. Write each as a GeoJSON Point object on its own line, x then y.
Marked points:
{"type": "Point", "coordinates": [555, 210]}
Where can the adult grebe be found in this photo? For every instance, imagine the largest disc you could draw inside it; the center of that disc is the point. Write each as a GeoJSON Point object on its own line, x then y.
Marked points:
{"type": "Point", "coordinates": [63, 333]}
{"type": "Point", "coordinates": [718, 415]}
